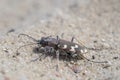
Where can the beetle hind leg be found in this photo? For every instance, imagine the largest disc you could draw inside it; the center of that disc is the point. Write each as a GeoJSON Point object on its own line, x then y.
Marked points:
{"type": "Point", "coordinates": [57, 55]}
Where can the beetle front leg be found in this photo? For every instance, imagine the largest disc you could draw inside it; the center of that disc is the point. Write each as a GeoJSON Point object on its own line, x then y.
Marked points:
{"type": "Point", "coordinates": [58, 39]}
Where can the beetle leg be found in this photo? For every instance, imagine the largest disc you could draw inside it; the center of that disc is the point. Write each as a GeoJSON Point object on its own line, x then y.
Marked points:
{"type": "Point", "coordinates": [72, 39]}
{"type": "Point", "coordinates": [36, 58]}
{"type": "Point", "coordinates": [62, 35]}
{"type": "Point", "coordinates": [49, 49]}
{"type": "Point", "coordinates": [58, 39]}
{"type": "Point", "coordinates": [57, 55]}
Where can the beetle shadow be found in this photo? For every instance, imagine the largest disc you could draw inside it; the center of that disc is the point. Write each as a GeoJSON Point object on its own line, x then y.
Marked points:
{"type": "Point", "coordinates": [62, 57]}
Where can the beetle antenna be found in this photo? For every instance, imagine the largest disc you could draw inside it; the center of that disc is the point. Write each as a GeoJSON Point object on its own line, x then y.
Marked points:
{"type": "Point", "coordinates": [80, 42]}
{"type": "Point", "coordinates": [28, 37]}
{"type": "Point", "coordinates": [17, 51]}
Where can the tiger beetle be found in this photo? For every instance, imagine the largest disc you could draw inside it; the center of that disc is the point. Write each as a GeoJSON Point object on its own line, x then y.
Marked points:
{"type": "Point", "coordinates": [70, 48]}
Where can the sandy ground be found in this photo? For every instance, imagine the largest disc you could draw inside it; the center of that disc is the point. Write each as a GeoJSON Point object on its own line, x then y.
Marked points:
{"type": "Point", "coordinates": [95, 22]}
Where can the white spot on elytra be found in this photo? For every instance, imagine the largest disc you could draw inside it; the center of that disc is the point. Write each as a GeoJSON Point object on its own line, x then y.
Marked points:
{"type": "Point", "coordinates": [58, 45]}
{"type": "Point", "coordinates": [72, 48]}
{"type": "Point", "coordinates": [76, 46]}
{"type": "Point", "coordinates": [65, 46]}
{"type": "Point", "coordinates": [81, 51]}
{"type": "Point", "coordinates": [85, 50]}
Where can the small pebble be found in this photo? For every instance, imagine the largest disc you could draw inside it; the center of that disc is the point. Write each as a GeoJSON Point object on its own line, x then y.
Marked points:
{"type": "Point", "coordinates": [75, 68]}
{"type": "Point", "coordinates": [106, 45]}
{"type": "Point", "coordinates": [11, 30]}
{"type": "Point", "coordinates": [115, 57]}
{"type": "Point", "coordinates": [103, 40]}
{"type": "Point", "coordinates": [93, 57]}
{"type": "Point", "coordinates": [95, 41]}
{"type": "Point", "coordinates": [5, 50]}
{"type": "Point", "coordinates": [106, 66]}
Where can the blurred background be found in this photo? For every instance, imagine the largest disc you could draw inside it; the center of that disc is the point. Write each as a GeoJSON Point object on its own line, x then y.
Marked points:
{"type": "Point", "coordinates": [20, 14]}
